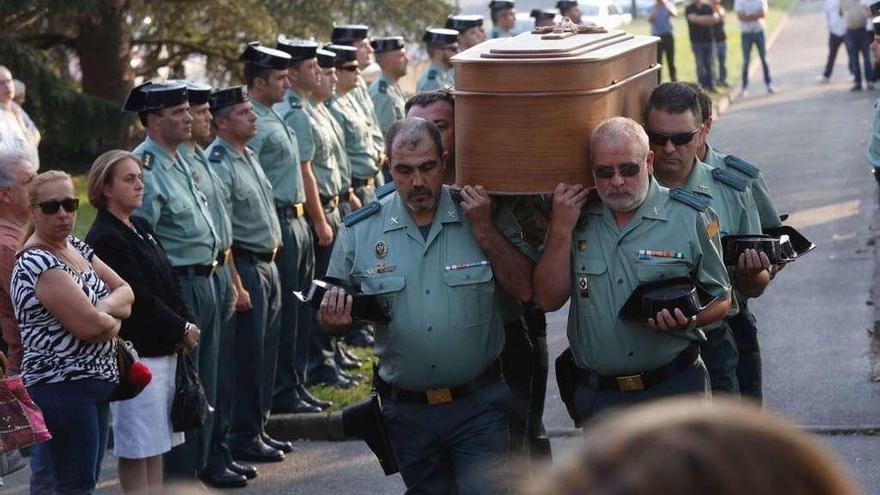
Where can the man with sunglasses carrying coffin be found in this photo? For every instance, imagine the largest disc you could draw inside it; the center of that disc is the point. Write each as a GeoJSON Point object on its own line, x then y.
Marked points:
{"type": "Point", "coordinates": [674, 125]}
{"type": "Point", "coordinates": [640, 232]}
{"type": "Point", "coordinates": [178, 211]}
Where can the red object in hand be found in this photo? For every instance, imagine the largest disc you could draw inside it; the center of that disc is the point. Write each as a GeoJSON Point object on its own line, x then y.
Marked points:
{"type": "Point", "coordinates": [139, 375]}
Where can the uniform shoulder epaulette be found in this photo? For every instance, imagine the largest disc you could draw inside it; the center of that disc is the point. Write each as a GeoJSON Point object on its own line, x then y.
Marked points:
{"type": "Point", "coordinates": [368, 210]}
{"type": "Point", "coordinates": [294, 103]}
{"type": "Point", "coordinates": [385, 189]}
{"type": "Point", "coordinates": [148, 160]}
{"type": "Point", "coordinates": [383, 86]}
{"type": "Point", "coordinates": [741, 165]}
{"type": "Point", "coordinates": [217, 154]}
{"type": "Point", "coordinates": [432, 74]}
{"type": "Point", "coordinates": [692, 199]}
{"type": "Point", "coordinates": [732, 179]}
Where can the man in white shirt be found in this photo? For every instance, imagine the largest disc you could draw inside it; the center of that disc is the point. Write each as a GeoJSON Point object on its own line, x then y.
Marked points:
{"type": "Point", "coordinates": [17, 131]}
{"type": "Point", "coordinates": [751, 15]}
{"type": "Point", "coordinates": [836, 37]}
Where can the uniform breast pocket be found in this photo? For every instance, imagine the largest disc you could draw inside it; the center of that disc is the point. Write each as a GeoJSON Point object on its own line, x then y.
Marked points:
{"type": "Point", "coordinates": [652, 272]}
{"type": "Point", "coordinates": [181, 214]}
{"type": "Point", "coordinates": [386, 289]}
{"type": "Point", "coordinates": [591, 276]}
{"type": "Point", "coordinates": [471, 295]}
{"type": "Point", "coordinates": [247, 204]}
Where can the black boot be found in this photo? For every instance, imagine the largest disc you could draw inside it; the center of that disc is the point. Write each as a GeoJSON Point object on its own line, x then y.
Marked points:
{"type": "Point", "coordinates": [516, 359]}
{"type": "Point", "coordinates": [539, 442]}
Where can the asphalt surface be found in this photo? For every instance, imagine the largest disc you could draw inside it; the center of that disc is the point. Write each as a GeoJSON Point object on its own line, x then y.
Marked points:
{"type": "Point", "coordinates": [809, 140]}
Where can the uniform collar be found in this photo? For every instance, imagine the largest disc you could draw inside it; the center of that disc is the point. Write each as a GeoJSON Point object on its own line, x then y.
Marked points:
{"type": "Point", "coordinates": [652, 207]}
{"type": "Point", "coordinates": [397, 215]}
{"type": "Point", "coordinates": [259, 108]}
{"type": "Point", "coordinates": [700, 179]}
{"type": "Point", "coordinates": [714, 158]}
{"type": "Point", "coordinates": [166, 159]}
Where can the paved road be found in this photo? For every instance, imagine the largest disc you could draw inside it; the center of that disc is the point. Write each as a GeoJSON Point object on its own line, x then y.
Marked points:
{"type": "Point", "coordinates": [809, 140]}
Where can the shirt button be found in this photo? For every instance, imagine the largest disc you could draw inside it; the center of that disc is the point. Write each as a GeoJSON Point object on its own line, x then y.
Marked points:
{"type": "Point", "coordinates": [427, 291]}
{"type": "Point", "coordinates": [433, 366]}
{"type": "Point", "coordinates": [620, 281]}
{"type": "Point", "coordinates": [430, 328]}
{"type": "Point", "coordinates": [630, 354]}
{"type": "Point", "coordinates": [381, 286]}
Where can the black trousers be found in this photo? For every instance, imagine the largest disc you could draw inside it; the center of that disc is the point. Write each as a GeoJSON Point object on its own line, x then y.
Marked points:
{"type": "Point", "coordinates": [667, 46]}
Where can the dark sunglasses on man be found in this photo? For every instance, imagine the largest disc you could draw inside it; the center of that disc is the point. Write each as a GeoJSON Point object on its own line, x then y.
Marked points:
{"type": "Point", "coordinates": [624, 169]}
{"type": "Point", "coordinates": [679, 139]}
{"type": "Point", "coordinates": [51, 206]}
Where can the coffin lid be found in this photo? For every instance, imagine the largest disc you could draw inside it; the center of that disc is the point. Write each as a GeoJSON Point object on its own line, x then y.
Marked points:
{"type": "Point", "coordinates": [527, 46]}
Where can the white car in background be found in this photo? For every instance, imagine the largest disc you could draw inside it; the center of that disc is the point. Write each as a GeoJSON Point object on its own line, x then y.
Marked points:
{"type": "Point", "coordinates": [604, 13]}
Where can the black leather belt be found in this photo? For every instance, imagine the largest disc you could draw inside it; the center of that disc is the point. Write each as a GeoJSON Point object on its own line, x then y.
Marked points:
{"type": "Point", "coordinates": [222, 256]}
{"type": "Point", "coordinates": [290, 211]}
{"type": "Point", "coordinates": [438, 395]}
{"type": "Point", "coordinates": [356, 182]}
{"type": "Point", "coordinates": [253, 256]}
{"type": "Point", "coordinates": [331, 202]}
{"type": "Point", "coordinates": [643, 380]}
{"type": "Point", "coordinates": [196, 270]}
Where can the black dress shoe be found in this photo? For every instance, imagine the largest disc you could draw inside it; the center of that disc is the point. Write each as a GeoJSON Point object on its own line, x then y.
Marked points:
{"type": "Point", "coordinates": [350, 355]}
{"type": "Point", "coordinates": [222, 478]}
{"type": "Point", "coordinates": [258, 451]}
{"type": "Point", "coordinates": [246, 470]}
{"type": "Point", "coordinates": [329, 377]}
{"type": "Point", "coordinates": [347, 364]}
{"type": "Point", "coordinates": [353, 377]}
{"type": "Point", "coordinates": [282, 445]}
{"type": "Point", "coordinates": [295, 406]}
{"type": "Point", "coordinates": [359, 338]}
{"type": "Point", "coordinates": [311, 399]}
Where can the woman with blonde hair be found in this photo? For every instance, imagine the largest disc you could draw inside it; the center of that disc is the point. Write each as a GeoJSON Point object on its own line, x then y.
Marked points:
{"type": "Point", "coordinates": [696, 447]}
{"type": "Point", "coordinates": [69, 306]}
{"type": "Point", "coordinates": [159, 324]}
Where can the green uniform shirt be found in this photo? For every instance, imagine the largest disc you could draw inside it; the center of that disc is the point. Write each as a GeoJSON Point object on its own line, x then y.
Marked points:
{"type": "Point", "coordinates": [435, 78]}
{"type": "Point", "coordinates": [175, 207]}
{"type": "Point", "coordinates": [358, 135]}
{"type": "Point", "coordinates": [388, 100]}
{"type": "Point", "coordinates": [336, 142]}
{"type": "Point", "coordinates": [247, 193]}
{"type": "Point", "coordinates": [362, 95]}
{"type": "Point", "coordinates": [446, 326]}
{"type": "Point", "coordinates": [210, 184]}
{"type": "Point", "coordinates": [314, 142]}
{"type": "Point", "coordinates": [496, 32]}
{"type": "Point", "coordinates": [760, 192]}
{"type": "Point", "coordinates": [278, 153]}
{"type": "Point", "coordinates": [608, 263]}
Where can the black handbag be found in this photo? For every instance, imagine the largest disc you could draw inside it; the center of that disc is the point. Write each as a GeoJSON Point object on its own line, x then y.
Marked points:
{"type": "Point", "coordinates": [134, 375]}
{"type": "Point", "coordinates": [190, 408]}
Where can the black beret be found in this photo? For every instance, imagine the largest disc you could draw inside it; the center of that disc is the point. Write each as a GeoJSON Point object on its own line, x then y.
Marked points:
{"type": "Point", "coordinates": [196, 93]}
{"type": "Point", "coordinates": [387, 44]}
{"type": "Point", "coordinates": [349, 33]}
{"type": "Point", "coordinates": [298, 49]}
{"type": "Point", "coordinates": [542, 14]}
{"type": "Point", "coordinates": [151, 96]}
{"type": "Point", "coordinates": [440, 36]}
{"type": "Point", "coordinates": [500, 4]}
{"type": "Point", "coordinates": [265, 57]}
{"type": "Point", "coordinates": [228, 96]}
{"type": "Point", "coordinates": [462, 23]}
{"type": "Point", "coordinates": [326, 59]}
{"type": "Point", "coordinates": [346, 56]}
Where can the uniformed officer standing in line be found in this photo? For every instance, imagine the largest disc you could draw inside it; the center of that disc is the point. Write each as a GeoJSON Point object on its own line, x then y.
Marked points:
{"type": "Point", "coordinates": [388, 97]}
{"type": "Point", "coordinates": [674, 126]}
{"type": "Point", "coordinates": [436, 267]}
{"type": "Point", "coordinates": [178, 211]}
{"type": "Point", "coordinates": [543, 17]}
{"type": "Point", "coordinates": [570, 9]}
{"type": "Point", "coordinates": [743, 325]}
{"type": "Point", "coordinates": [639, 232]}
{"type": "Point", "coordinates": [503, 16]}
{"type": "Point", "coordinates": [442, 44]}
{"type": "Point", "coordinates": [314, 152]}
{"type": "Point", "coordinates": [470, 29]}
{"type": "Point", "coordinates": [220, 470]}
{"type": "Point", "coordinates": [258, 328]}
{"type": "Point", "coordinates": [256, 236]}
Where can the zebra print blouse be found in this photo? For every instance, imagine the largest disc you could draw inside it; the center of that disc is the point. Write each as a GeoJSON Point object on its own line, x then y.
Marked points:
{"type": "Point", "coordinates": [51, 353]}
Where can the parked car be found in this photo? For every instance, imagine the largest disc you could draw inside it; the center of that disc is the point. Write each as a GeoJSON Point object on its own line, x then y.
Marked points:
{"type": "Point", "coordinates": [604, 13]}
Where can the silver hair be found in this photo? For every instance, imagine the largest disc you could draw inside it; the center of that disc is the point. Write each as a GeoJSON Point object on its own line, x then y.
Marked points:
{"type": "Point", "coordinates": [618, 128]}
{"type": "Point", "coordinates": [8, 161]}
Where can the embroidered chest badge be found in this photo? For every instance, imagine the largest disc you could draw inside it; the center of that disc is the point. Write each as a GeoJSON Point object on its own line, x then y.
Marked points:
{"type": "Point", "coordinates": [582, 245]}
{"type": "Point", "coordinates": [381, 249]}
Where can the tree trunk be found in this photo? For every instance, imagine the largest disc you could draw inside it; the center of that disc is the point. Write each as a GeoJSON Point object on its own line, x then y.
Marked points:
{"type": "Point", "coordinates": [104, 49]}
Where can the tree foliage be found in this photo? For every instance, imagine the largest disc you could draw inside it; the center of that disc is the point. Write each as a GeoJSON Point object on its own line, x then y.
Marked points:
{"type": "Point", "coordinates": [79, 58]}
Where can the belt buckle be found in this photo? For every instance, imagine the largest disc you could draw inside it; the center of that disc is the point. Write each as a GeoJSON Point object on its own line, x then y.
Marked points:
{"type": "Point", "coordinates": [438, 396]}
{"type": "Point", "coordinates": [300, 210]}
{"type": "Point", "coordinates": [630, 383]}
{"type": "Point", "coordinates": [274, 254]}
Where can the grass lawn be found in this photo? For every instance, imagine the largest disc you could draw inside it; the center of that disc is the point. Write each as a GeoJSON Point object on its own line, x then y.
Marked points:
{"type": "Point", "coordinates": [684, 57]}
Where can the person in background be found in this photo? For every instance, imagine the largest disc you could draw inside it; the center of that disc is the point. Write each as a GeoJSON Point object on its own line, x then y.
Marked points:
{"type": "Point", "coordinates": [719, 43]}
{"type": "Point", "coordinates": [694, 447]}
{"type": "Point", "coordinates": [570, 9]}
{"type": "Point", "coordinates": [751, 15]}
{"type": "Point", "coordinates": [858, 42]}
{"type": "Point", "coordinates": [701, 17]}
{"type": "Point", "coordinates": [661, 26]}
{"type": "Point", "coordinates": [503, 16]}
{"type": "Point", "coordinates": [20, 92]}
{"type": "Point", "coordinates": [836, 37]}
{"type": "Point", "coordinates": [69, 306]}
{"type": "Point", "coordinates": [17, 130]}
{"type": "Point", "coordinates": [442, 44]}
{"type": "Point", "coordinates": [470, 30]}
{"type": "Point", "coordinates": [16, 173]}
{"type": "Point", "coordinates": [543, 17]}
{"type": "Point", "coordinates": [159, 325]}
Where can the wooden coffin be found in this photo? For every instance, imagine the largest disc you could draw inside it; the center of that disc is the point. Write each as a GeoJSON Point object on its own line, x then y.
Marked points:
{"type": "Point", "coordinates": [525, 106]}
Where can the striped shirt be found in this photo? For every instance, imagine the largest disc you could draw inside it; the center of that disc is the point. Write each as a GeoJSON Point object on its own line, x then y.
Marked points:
{"type": "Point", "coordinates": [51, 353]}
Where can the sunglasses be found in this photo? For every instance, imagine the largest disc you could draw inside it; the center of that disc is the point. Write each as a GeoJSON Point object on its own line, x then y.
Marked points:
{"type": "Point", "coordinates": [679, 139]}
{"type": "Point", "coordinates": [51, 206]}
{"type": "Point", "coordinates": [625, 170]}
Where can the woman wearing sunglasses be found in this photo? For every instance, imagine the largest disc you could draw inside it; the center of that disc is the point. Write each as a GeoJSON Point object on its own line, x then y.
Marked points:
{"type": "Point", "coordinates": [159, 324]}
{"type": "Point", "coordinates": [69, 306]}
